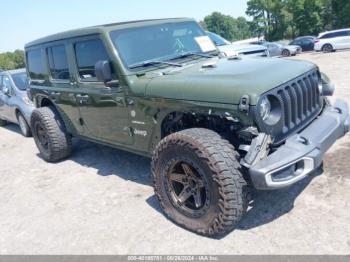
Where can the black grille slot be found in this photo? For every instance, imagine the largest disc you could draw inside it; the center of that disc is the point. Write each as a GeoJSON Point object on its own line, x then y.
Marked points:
{"type": "Point", "coordinates": [301, 103]}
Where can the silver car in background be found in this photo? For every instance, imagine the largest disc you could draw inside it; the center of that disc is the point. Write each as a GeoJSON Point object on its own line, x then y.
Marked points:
{"type": "Point", "coordinates": [229, 49]}
{"type": "Point", "coordinates": [15, 106]}
{"type": "Point", "coordinates": [277, 49]}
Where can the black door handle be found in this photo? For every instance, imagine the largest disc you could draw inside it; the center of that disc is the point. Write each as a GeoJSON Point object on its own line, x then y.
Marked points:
{"type": "Point", "coordinates": [55, 95]}
{"type": "Point", "coordinates": [82, 98]}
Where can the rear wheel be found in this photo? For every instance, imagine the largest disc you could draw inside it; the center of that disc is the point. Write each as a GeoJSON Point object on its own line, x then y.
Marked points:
{"type": "Point", "coordinates": [50, 135]}
{"type": "Point", "coordinates": [25, 129]}
{"type": "Point", "coordinates": [198, 182]}
{"type": "Point", "coordinates": [327, 48]}
{"type": "Point", "coordinates": [285, 52]}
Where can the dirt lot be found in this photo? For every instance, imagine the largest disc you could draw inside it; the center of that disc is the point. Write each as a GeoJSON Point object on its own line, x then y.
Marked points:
{"type": "Point", "coordinates": [100, 201]}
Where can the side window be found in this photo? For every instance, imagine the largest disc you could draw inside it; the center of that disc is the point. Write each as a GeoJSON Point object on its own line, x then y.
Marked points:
{"type": "Point", "coordinates": [326, 36]}
{"type": "Point", "coordinates": [87, 53]}
{"type": "Point", "coordinates": [6, 83]}
{"type": "Point", "coordinates": [36, 66]}
{"type": "Point", "coordinates": [58, 62]}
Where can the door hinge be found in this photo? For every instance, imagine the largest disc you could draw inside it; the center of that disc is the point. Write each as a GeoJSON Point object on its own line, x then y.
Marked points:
{"type": "Point", "coordinates": [244, 104]}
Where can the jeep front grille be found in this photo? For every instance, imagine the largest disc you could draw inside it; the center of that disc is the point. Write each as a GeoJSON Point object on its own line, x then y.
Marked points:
{"type": "Point", "coordinates": [300, 101]}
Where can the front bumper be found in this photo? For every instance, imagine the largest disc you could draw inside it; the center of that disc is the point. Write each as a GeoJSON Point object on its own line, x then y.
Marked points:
{"type": "Point", "coordinates": [302, 153]}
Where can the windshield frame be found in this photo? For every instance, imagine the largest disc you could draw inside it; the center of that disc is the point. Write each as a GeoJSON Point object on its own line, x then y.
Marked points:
{"type": "Point", "coordinates": [169, 58]}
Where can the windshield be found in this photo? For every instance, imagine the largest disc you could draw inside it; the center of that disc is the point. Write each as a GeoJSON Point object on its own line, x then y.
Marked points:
{"type": "Point", "coordinates": [218, 40]}
{"type": "Point", "coordinates": [20, 80]}
{"type": "Point", "coordinates": [156, 43]}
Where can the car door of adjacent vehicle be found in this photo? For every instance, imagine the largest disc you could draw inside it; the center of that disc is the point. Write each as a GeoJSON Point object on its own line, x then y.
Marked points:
{"type": "Point", "coordinates": [8, 111]}
{"type": "Point", "coordinates": [103, 109]}
{"type": "Point", "coordinates": [339, 39]}
{"type": "Point", "coordinates": [347, 39]}
{"type": "Point", "coordinates": [274, 49]}
{"type": "Point", "coordinates": [2, 101]}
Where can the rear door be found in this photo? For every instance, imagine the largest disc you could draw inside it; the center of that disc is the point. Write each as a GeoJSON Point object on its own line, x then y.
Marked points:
{"type": "Point", "coordinates": [103, 109]}
{"type": "Point", "coordinates": [64, 89]}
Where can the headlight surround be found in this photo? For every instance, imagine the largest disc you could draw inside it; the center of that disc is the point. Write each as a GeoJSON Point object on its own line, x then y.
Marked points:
{"type": "Point", "coordinates": [325, 86]}
{"type": "Point", "coordinates": [270, 110]}
{"type": "Point", "coordinates": [264, 108]}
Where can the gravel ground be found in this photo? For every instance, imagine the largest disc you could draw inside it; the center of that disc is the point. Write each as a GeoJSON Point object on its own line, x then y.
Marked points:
{"type": "Point", "coordinates": [100, 201]}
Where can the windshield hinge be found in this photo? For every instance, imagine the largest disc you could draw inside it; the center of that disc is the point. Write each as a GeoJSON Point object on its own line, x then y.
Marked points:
{"type": "Point", "coordinates": [244, 104]}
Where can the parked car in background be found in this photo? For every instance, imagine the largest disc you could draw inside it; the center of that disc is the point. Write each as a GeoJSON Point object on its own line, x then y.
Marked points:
{"type": "Point", "coordinates": [229, 49]}
{"type": "Point", "coordinates": [277, 49]}
{"type": "Point", "coordinates": [15, 106]}
{"type": "Point", "coordinates": [333, 40]}
{"type": "Point", "coordinates": [307, 43]}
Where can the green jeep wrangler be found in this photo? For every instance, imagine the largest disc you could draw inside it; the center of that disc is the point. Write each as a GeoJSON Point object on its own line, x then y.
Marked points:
{"type": "Point", "coordinates": [214, 126]}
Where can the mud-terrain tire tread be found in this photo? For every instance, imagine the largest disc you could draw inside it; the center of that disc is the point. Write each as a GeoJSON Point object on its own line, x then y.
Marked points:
{"type": "Point", "coordinates": [60, 141]}
{"type": "Point", "coordinates": [223, 161]}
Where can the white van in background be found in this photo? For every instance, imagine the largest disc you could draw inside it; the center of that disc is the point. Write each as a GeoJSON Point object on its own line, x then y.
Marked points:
{"type": "Point", "coordinates": [333, 40]}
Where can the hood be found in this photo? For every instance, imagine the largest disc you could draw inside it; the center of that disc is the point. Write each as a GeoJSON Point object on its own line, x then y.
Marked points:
{"type": "Point", "coordinates": [222, 80]}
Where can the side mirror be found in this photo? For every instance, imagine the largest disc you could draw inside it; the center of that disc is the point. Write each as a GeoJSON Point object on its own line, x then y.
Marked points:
{"type": "Point", "coordinates": [7, 90]}
{"type": "Point", "coordinates": [103, 73]}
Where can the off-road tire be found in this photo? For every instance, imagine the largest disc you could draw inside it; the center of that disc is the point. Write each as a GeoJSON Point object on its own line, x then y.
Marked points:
{"type": "Point", "coordinates": [218, 159]}
{"type": "Point", "coordinates": [25, 129]}
{"type": "Point", "coordinates": [3, 122]}
{"type": "Point", "coordinates": [59, 143]}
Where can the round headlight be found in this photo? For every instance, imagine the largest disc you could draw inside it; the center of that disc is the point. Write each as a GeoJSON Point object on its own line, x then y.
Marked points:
{"type": "Point", "coordinates": [265, 108]}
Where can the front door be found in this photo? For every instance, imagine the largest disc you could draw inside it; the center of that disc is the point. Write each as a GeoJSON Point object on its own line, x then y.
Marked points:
{"type": "Point", "coordinates": [103, 110]}
{"type": "Point", "coordinates": [7, 109]}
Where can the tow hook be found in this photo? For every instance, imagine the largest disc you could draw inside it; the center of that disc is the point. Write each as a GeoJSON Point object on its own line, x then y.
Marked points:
{"type": "Point", "coordinates": [259, 149]}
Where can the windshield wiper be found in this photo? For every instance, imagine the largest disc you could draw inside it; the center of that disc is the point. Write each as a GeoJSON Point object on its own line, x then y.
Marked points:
{"type": "Point", "coordinates": [187, 54]}
{"type": "Point", "coordinates": [150, 63]}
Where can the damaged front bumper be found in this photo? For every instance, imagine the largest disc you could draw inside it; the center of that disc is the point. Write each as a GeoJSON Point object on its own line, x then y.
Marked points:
{"type": "Point", "coordinates": [302, 153]}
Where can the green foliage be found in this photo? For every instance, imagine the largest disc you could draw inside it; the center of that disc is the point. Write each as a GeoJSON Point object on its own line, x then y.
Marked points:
{"type": "Point", "coordinates": [228, 27]}
{"type": "Point", "coordinates": [12, 60]}
{"type": "Point", "coordinates": [278, 19]}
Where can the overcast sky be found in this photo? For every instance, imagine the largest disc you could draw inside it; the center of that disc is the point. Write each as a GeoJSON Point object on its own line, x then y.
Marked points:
{"type": "Point", "coordinates": [22, 21]}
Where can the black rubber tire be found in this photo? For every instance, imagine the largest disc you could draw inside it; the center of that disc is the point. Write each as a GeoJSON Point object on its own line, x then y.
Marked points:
{"type": "Point", "coordinates": [218, 158]}
{"type": "Point", "coordinates": [285, 53]}
{"type": "Point", "coordinates": [59, 141]}
{"type": "Point", "coordinates": [3, 122]}
{"type": "Point", "coordinates": [327, 48]}
{"type": "Point", "coordinates": [25, 129]}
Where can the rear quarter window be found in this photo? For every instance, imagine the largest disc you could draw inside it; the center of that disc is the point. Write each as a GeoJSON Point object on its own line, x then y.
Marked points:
{"type": "Point", "coordinates": [36, 67]}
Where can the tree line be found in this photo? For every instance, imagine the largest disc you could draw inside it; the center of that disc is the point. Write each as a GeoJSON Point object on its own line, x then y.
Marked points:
{"type": "Point", "coordinates": [273, 19]}
{"type": "Point", "coordinates": [281, 19]}
{"type": "Point", "coordinates": [12, 60]}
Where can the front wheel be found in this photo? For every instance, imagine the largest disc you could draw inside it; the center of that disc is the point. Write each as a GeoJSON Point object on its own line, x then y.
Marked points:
{"type": "Point", "coordinates": [25, 129]}
{"type": "Point", "coordinates": [198, 182]}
